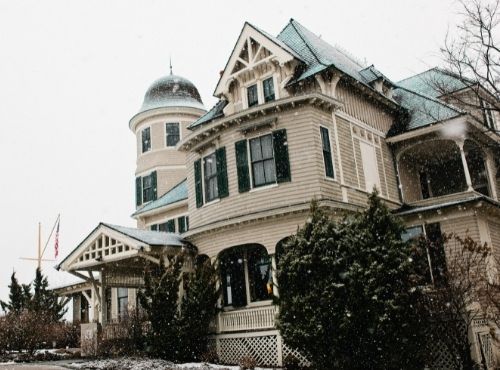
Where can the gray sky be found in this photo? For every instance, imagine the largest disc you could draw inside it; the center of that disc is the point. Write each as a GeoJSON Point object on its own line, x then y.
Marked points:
{"type": "Point", "coordinates": [72, 73]}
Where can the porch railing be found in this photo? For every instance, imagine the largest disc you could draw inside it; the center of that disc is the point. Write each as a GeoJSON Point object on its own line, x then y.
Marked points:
{"type": "Point", "coordinates": [247, 319]}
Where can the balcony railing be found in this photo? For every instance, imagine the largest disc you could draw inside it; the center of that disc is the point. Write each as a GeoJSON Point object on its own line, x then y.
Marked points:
{"type": "Point", "coordinates": [247, 319]}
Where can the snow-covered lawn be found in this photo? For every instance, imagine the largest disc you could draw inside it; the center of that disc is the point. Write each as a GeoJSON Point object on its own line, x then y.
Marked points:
{"type": "Point", "coordinates": [146, 364]}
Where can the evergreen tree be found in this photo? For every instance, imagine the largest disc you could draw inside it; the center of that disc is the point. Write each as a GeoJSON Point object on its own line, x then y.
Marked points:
{"type": "Point", "coordinates": [19, 296]}
{"type": "Point", "coordinates": [45, 301]}
{"type": "Point", "coordinates": [159, 299]}
{"type": "Point", "coordinates": [198, 309]}
{"type": "Point", "coordinates": [348, 294]}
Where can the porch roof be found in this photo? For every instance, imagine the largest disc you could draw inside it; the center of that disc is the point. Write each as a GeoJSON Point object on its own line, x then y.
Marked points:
{"type": "Point", "coordinates": [115, 243]}
{"type": "Point", "coordinates": [176, 194]}
{"type": "Point", "coordinates": [474, 197]}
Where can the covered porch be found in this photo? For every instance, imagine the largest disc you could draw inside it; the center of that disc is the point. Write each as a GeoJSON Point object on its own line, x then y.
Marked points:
{"type": "Point", "coordinates": [111, 261]}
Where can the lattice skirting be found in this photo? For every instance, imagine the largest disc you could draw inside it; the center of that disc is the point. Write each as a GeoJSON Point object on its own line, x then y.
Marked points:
{"type": "Point", "coordinates": [266, 348]}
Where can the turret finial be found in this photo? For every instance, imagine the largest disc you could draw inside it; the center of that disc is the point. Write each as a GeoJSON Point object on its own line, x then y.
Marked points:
{"type": "Point", "coordinates": [171, 66]}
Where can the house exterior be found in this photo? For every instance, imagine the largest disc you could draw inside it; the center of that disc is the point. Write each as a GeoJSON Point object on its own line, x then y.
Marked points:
{"type": "Point", "coordinates": [296, 119]}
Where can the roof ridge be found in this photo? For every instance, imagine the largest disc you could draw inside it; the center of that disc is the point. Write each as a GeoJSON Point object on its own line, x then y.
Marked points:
{"type": "Point", "coordinates": [292, 21]}
{"type": "Point", "coordinates": [422, 95]}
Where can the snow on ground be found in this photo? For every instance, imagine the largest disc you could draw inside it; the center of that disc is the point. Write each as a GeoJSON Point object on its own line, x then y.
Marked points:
{"type": "Point", "coordinates": [146, 364]}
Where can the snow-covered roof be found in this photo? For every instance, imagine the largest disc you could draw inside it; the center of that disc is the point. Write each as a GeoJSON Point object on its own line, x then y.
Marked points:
{"type": "Point", "coordinates": [150, 237]}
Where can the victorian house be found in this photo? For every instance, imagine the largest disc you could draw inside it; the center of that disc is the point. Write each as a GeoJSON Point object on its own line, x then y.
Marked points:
{"type": "Point", "coordinates": [296, 119]}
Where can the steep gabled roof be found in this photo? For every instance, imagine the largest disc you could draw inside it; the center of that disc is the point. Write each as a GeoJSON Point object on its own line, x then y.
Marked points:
{"type": "Point", "coordinates": [176, 194]}
{"type": "Point", "coordinates": [434, 82]}
{"type": "Point", "coordinates": [317, 53]}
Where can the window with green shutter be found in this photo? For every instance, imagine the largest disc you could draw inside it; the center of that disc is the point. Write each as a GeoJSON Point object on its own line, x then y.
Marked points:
{"type": "Point", "coordinates": [198, 183]}
{"type": "Point", "coordinates": [149, 187]}
{"type": "Point", "coordinates": [242, 169]}
{"type": "Point", "coordinates": [168, 226]}
{"type": "Point", "coordinates": [262, 158]}
{"type": "Point", "coordinates": [280, 144]}
{"type": "Point", "coordinates": [154, 227]}
{"type": "Point", "coordinates": [222, 183]}
{"type": "Point", "coordinates": [183, 224]}
{"type": "Point", "coordinates": [327, 152]}
{"type": "Point", "coordinates": [210, 177]}
{"type": "Point", "coordinates": [268, 87]}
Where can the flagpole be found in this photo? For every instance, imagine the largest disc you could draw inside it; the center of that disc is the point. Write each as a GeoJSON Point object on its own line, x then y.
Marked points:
{"type": "Point", "coordinates": [39, 245]}
{"type": "Point", "coordinates": [51, 232]}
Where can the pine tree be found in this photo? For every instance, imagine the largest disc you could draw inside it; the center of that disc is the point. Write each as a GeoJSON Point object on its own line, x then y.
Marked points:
{"type": "Point", "coordinates": [19, 296]}
{"type": "Point", "coordinates": [159, 299]}
{"type": "Point", "coordinates": [347, 292]}
{"type": "Point", "coordinates": [198, 309]}
{"type": "Point", "coordinates": [45, 301]}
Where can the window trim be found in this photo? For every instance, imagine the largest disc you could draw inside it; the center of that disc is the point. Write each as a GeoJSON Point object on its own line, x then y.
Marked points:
{"type": "Point", "coordinates": [143, 178]}
{"type": "Point", "coordinates": [257, 102]}
{"type": "Point", "coordinates": [213, 176]}
{"type": "Point", "coordinates": [150, 147]}
{"type": "Point", "coordinates": [165, 136]}
{"type": "Point", "coordinates": [271, 78]}
{"type": "Point", "coordinates": [251, 162]}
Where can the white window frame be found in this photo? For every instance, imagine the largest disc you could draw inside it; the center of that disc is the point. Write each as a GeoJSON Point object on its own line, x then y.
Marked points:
{"type": "Point", "coordinates": [260, 89]}
{"type": "Point", "coordinates": [165, 140]}
{"type": "Point", "coordinates": [249, 160]}
{"type": "Point", "coordinates": [216, 199]}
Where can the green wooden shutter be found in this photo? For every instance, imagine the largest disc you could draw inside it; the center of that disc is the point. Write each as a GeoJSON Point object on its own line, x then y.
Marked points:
{"type": "Point", "coordinates": [154, 227]}
{"type": "Point", "coordinates": [220, 160]}
{"type": "Point", "coordinates": [242, 166]}
{"type": "Point", "coordinates": [280, 144]}
{"type": "Point", "coordinates": [197, 183]}
{"type": "Point", "coordinates": [138, 191]}
{"type": "Point", "coordinates": [153, 185]}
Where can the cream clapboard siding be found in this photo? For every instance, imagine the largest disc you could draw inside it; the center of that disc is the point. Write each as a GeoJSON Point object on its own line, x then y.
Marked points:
{"type": "Point", "coordinates": [360, 107]}
{"type": "Point", "coordinates": [266, 232]}
{"type": "Point", "coordinates": [167, 179]}
{"type": "Point", "coordinates": [303, 153]}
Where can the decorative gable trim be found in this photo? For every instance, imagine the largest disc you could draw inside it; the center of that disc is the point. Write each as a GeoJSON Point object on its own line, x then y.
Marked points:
{"type": "Point", "coordinates": [253, 49]}
{"type": "Point", "coordinates": [102, 245]}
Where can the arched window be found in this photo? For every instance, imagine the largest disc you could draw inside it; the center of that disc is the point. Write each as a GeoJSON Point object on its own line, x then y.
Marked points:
{"type": "Point", "coordinates": [245, 275]}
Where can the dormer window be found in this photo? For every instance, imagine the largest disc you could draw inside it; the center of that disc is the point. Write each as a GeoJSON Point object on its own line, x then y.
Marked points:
{"type": "Point", "coordinates": [268, 86]}
{"type": "Point", "coordinates": [146, 140]}
{"type": "Point", "coordinates": [173, 134]}
{"type": "Point", "coordinates": [252, 95]}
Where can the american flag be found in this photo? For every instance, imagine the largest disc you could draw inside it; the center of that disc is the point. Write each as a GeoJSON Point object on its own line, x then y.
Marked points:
{"type": "Point", "coordinates": [56, 243]}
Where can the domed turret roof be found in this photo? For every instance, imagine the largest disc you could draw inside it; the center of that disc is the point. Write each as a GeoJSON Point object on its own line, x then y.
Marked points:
{"type": "Point", "coordinates": [172, 91]}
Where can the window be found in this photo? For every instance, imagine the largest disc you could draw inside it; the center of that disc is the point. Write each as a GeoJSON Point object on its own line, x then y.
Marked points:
{"type": "Point", "coordinates": [210, 177]}
{"type": "Point", "coordinates": [243, 267]}
{"type": "Point", "coordinates": [488, 114]}
{"type": "Point", "coordinates": [122, 296]}
{"type": "Point", "coordinates": [268, 159]}
{"type": "Point", "coordinates": [370, 166]}
{"type": "Point", "coordinates": [252, 95]}
{"type": "Point", "coordinates": [146, 140]}
{"type": "Point", "coordinates": [145, 188]}
{"type": "Point", "coordinates": [183, 223]}
{"type": "Point", "coordinates": [432, 261]}
{"type": "Point", "coordinates": [211, 183]}
{"type": "Point", "coordinates": [262, 157]}
{"type": "Point", "coordinates": [173, 134]}
{"type": "Point", "coordinates": [168, 226]}
{"type": "Point", "coordinates": [268, 86]}
{"type": "Point", "coordinates": [327, 152]}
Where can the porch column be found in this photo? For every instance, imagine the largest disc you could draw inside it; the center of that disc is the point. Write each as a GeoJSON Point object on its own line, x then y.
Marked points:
{"type": "Point", "coordinates": [468, 180]}
{"type": "Point", "coordinates": [104, 309]}
{"type": "Point", "coordinates": [275, 279]}
{"type": "Point", "coordinates": [491, 171]}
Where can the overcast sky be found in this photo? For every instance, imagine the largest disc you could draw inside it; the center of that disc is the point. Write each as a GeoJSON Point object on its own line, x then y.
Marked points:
{"type": "Point", "coordinates": [72, 74]}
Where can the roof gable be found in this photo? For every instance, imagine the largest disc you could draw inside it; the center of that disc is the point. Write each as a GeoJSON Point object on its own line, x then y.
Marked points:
{"type": "Point", "coordinates": [107, 243]}
{"type": "Point", "coordinates": [253, 47]}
